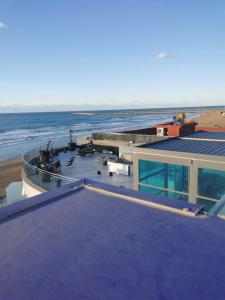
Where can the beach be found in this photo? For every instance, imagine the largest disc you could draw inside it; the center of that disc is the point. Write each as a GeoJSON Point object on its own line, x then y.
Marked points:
{"type": "Point", "coordinates": [10, 171]}
{"type": "Point", "coordinates": [211, 118]}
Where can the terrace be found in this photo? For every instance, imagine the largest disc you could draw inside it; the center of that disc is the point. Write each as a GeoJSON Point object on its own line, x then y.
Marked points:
{"type": "Point", "coordinates": [89, 166]}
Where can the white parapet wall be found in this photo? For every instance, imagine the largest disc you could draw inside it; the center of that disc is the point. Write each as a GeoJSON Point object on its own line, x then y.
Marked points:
{"type": "Point", "coordinates": [29, 188]}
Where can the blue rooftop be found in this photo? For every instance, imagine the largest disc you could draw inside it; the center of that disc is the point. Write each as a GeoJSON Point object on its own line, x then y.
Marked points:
{"type": "Point", "coordinates": [79, 243]}
{"type": "Point", "coordinates": [189, 146]}
{"type": "Point", "coordinates": [206, 135]}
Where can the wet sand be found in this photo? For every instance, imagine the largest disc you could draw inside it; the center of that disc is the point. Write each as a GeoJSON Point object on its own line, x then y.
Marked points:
{"type": "Point", "coordinates": [10, 171]}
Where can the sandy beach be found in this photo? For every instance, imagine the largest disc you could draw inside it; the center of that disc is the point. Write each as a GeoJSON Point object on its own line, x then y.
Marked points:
{"type": "Point", "coordinates": [211, 118]}
{"type": "Point", "coordinates": [10, 171]}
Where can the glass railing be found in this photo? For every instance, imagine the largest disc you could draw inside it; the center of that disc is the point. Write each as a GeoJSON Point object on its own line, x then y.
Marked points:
{"type": "Point", "coordinates": [42, 178]}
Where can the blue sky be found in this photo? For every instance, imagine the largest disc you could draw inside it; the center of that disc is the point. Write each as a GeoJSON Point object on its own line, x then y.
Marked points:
{"type": "Point", "coordinates": [112, 53]}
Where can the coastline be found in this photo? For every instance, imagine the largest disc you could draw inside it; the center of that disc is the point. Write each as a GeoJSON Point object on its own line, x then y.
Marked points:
{"type": "Point", "coordinates": [140, 113]}
{"type": "Point", "coordinates": [10, 171]}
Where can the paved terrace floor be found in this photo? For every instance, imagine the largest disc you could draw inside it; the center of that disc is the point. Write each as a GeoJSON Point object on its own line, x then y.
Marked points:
{"type": "Point", "coordinates": [87, 167]}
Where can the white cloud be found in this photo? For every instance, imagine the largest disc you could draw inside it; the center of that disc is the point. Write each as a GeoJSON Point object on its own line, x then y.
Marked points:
{"type": "Point", "coordinates": [163, 56]}
{"type": "Point", "coordinates": [3, 25]}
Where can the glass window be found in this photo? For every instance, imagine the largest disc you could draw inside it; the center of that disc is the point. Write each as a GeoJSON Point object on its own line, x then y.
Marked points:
{"type": "Point", "coordinates": [163, 193]}
{"type": "Point", "coordinates": [206, 203]}
{"type": "Point", "coordinates": [150, 190]}
{"type": "Point", "coordinates": [151, 173]}
{"type": "Point", "coordinates": [211, 183]}
{"type": "Point", "coordinates": [176, 196]}
{"type": "Point", "coordinates": [168, 176]}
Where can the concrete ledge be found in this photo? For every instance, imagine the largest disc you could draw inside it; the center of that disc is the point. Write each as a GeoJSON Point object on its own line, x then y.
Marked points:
{"type": "Point", "coordinates": [127, 137]}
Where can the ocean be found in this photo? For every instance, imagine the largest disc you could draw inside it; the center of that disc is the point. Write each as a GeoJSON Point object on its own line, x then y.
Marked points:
{"type": "Point", "coordinates": [20, 132]}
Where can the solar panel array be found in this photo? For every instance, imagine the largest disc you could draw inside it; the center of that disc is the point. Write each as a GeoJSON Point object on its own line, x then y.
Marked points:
{"type": "Point", "coordinates": [190, 146]}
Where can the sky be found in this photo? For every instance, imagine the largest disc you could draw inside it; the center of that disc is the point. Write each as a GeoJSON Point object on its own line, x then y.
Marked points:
{"type": "Point", "coordinates": [111, 53]}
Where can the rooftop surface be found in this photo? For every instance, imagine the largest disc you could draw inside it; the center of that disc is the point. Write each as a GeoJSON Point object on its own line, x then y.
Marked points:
{"type": "Point", "coordinates": [189, 146]}
{"type": "Point", "coordinates": [84, 244]}
{"type": "Point", "coordinates": [206, 135]}
{"type": "Point", "coordinates": [84, 167]}
{"type": "Point", "coordinates": [87, 167]}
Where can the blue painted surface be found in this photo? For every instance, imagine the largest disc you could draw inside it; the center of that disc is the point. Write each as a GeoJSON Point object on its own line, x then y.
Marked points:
{"type": "Point", "coordinates": [207, 135]}
{"type": "Point", "coordinates": [194, 208]}
{"type": "Point", "coordinates": [85, 245]}
{"type": "Point", "coordinates": [72, 188]}
{"type": "Point", "coordinates": [190, 146]}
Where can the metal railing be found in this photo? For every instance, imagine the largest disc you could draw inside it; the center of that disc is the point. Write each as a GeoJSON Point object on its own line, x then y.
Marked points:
{"type": "Point", "coordinates": [42, 178]}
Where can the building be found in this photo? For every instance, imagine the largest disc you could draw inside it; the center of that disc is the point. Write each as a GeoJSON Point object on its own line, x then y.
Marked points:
{"type": "Point", "coordinates": [189, 168]}
{"type": "Point", "coordinates": [171, 129]}
{"type": "Point", "coordinates": [88, 240]}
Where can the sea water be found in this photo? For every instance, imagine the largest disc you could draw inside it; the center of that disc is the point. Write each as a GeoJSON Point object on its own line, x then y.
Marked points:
{"type": "Point", "coordinates": [20, 132]}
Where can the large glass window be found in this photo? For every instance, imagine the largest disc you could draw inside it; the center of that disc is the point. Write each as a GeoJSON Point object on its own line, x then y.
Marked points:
{"type": "Point", "coordinates": [211, 183]}
{"type": "Point", "coordinates": [163, 179]}
{"type": "Point", "coordinates": [168, 176]}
